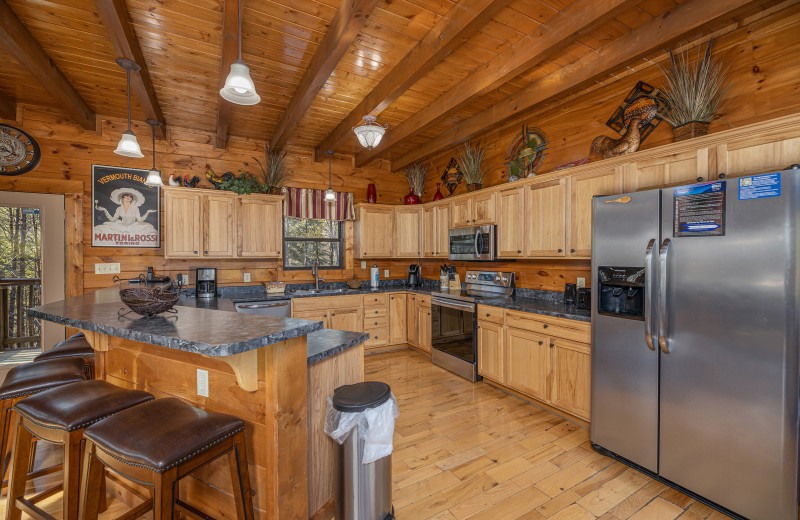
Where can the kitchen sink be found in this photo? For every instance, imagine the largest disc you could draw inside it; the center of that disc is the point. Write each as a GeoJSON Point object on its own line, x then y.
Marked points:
{"type": "Point", "coordinates": [322, 292]}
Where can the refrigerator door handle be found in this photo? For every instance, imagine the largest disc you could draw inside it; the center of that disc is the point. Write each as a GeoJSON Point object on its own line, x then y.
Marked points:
{"type": "Point", "coordinates": [663, 315]}
{"type": "Point", "coordinates": [648, 295]}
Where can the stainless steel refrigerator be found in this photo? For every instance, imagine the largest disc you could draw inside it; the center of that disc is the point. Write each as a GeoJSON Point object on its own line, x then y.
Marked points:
{"type": "Point", "coordinates": [695, 338]}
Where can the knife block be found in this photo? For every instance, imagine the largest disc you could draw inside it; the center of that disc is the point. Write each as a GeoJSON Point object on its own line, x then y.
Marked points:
{"type": "Point", "coordinates": [455, 283]}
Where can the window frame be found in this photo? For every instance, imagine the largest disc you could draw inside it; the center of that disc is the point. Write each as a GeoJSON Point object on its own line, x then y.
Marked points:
{"type": "Point", "coordinates": [339, 241]}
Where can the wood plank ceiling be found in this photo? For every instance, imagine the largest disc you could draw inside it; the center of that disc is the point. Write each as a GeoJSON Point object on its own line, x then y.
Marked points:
{"type": "Point", "coordinates": [437, 71]}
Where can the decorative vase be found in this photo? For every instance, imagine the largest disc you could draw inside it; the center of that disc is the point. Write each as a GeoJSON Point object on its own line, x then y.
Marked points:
{"type": "Point", "coordinates": [274, 190]}
{"type": "Point", "coordinates": [474, 187]}
{"type": "Point", "coordinates": [438, 195]}
{"type": "Point", "coordinates": [690, 130]}
{"type": "Point", "coordinates": [372, 196]}
{"type": "Point", "coordinates": [411, 198]}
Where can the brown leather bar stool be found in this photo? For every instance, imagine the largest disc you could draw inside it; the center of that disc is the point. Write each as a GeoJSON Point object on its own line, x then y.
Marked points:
{"type": "Point", "coordinates": [74, 346]}
{"type": "Point", "coordinates": [29, 379]}
{"type": "Point", "coordinates": [59, 416]}
{"type": "Point", "coordinates": [157, 444]}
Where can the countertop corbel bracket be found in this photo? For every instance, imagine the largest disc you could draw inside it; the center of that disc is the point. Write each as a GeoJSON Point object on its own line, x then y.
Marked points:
{"type": "Point", "coordinates": [245, 367]}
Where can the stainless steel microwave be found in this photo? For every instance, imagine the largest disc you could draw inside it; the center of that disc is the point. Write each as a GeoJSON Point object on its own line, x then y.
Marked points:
{"type": "Point", "coordinates": [473, 243]}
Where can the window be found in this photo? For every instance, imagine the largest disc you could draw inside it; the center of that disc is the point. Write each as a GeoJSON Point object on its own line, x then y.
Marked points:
{"type": "Point", "coordinates": [309, 240]}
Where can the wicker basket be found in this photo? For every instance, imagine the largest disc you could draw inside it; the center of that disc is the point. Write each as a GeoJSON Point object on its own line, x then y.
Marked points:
{"type": "Point", "coordinates": [354, 284]}
{"type": "Point", "coordinates": [148, 302]}
{"type": "Point", "coordinates": [690, 130]}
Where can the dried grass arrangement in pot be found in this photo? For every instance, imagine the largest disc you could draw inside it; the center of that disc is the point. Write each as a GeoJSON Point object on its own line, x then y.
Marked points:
{"type": "Point", "coordinates": [415, 174]}
{"type": "Point", "coordinates": [273, 171]}
{"type": "Point", "coordinates": [694, 91]}
{"type": "Point", "coordinates": [470, 162]}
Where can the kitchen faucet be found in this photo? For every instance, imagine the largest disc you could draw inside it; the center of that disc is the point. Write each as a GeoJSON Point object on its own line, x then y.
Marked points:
{"type": "Point", "coordinates": [315, 272]}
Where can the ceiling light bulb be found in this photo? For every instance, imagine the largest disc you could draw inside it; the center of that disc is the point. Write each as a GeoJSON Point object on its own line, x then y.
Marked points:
{"type": "Point", "coordinates": [239, 87]}
{"type": "Point", "coordinates": [154, 178]}
{"type": "Point", "coordinates": [370, 133]}
{"type": "Point", "coordinates": [330, 195]}
{"type": "Point", "coordinates": [128, 146]}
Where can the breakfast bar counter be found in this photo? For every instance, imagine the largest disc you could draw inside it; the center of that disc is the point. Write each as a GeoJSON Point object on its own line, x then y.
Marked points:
{"type": "Point", "coordinates": [266, 370]}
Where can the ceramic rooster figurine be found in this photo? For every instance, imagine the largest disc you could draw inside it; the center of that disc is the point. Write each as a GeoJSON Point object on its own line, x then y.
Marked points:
{"type": "Point", "coordinates": [610, 147]}
{"type": "Point", "coordinates": [215, 179]}
{"type": "Point", "coordinates": [190, 183]}
{"type": "Point", "coordinates": [173, 181]}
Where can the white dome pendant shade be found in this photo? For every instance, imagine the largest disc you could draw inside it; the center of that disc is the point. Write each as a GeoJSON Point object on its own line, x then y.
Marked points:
{"type": "Point", "coordinates": [128, 145]}
{"type": "Point", "coordinates": [370, 133]}
{"type": "Point", "coordinates": [239, 87]}
{"type": "Point", "coordinates": [330, 195]}
{"type": "Point", "coordinates": [154, 176]}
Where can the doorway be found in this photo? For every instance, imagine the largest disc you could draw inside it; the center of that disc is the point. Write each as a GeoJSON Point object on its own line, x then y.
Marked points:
{"type": "Point", "coordinates": [31, 271]}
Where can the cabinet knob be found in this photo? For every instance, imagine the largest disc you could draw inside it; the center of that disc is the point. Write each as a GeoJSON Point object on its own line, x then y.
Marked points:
{"type": "Point", "coordinates": [279, 252]}
{"type": "Point", "coordinates": [205, 252]}
{"type": "Point", "coordinates": [393, 297]}
{"type": "Point", "coordinates": [376, 323]}
{"type": "Point", "coordinates": [333, 314]}
{"type": "Point", "coordinates": [195, 252]}
{"type": "Point", "coordinates": [552, 345]}
{"type": "Point", "coordinates": [722, 175]}
{"type": "Point", "coordinates": [519, 250]}
{"type": "Point", "coordinates": [429, 314]}
{"type": "Point", "coordinates": [541, 342]}
{"type": "Point", "coordinates": [571, 250]}
{"type": "Point", "coordinates": [560, 250]}
{"type": "Point", "coordinates": [324, 315]}
{"type": "Point", "coordinates": [488, 314]}
{"type": "Point", "coordinates": [699, 179]}
{"type": "Point", "coordinates": [546, 325]}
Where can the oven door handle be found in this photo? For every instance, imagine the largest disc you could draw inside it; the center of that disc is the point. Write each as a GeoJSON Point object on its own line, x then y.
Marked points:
{"type": "Point", "coordinates": [453, 305]}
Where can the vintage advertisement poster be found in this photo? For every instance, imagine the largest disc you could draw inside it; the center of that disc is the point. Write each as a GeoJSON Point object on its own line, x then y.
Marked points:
{"type": "Point", "coordinates": [126, 212]}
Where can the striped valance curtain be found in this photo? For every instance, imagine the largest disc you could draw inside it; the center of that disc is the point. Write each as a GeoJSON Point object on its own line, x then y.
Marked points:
{"type": "Point", "coordinates": [306, 203]}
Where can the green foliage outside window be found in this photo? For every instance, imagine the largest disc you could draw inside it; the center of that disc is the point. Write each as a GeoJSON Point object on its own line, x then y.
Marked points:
{"type": "Point", "coordinates": [309, 240]}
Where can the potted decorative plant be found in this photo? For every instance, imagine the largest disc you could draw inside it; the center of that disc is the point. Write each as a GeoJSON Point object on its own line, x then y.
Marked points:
{"type": "Point", "coordinates": [695, 91]}
{"type": "Point", "coordinates": [415, 174]}
{"type": "Point", "coordinates": [274, 171]}
{"type": "Point", "coordinates": [471, 164]}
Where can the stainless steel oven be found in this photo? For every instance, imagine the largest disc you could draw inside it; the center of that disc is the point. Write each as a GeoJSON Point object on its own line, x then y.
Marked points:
{"type": "Point", "coordinates": [473, 243]}
{"type": "Point", "coordinates": [453, 336]}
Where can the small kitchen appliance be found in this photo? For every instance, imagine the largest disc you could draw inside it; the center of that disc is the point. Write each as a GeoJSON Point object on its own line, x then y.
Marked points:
{"type": "Point", "coordinates": [473, 243]}
{"type": "Point", "coordinates": [206, 285]}
{"type": "Point", "coordinates": [414, 275]}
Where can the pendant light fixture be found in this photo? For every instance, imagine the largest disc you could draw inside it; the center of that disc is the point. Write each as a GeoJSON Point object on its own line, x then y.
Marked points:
{"type": "Point", "coordinates": [128, 145]}
{"type": "Point", "coordinates": [239, 87]}
{"type": "Point", "coordinates": [154, 176]}
{"type": "Point", "coordinates": [370, 133]}
{"type": "Point", "coordinates": [330, 195]}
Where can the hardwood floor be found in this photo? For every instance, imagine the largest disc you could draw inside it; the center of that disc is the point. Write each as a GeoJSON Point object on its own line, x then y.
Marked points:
{"type": "Point", "coordinates": [466, 450]}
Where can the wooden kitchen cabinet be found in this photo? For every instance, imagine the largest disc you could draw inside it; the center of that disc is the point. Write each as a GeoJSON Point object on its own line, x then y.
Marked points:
{"type": "Point", "coordinates": [313, 316]}
{"type": "Point", "coordinates": [461, 212]}
{"type": "Point", "coordinates": [218, 224]}
{"type": "Point", "coordinates": [374, 231]}
{"type": "Point", "coordinates": [483, 209]}
{"type": "Point", "coordinates": [411, 319]}
{"type": "Point", "coordinates": [182, 230]}
{"type": "Point", "coordinates": [345, 319]}
{"type": "Point", "coordinates": [260, 226]}
{"type": "Point", "coordinates": [581, 189]}
{"type": "Point", "coordinates": [511, 223]}
{"type": "Point", "coordinates": [436, 231]}
{"type": "Point", "coordinates": [571, 382]}
{"type": "Point", "coordinates": [687, 167]}
{"type": "Point", "coordinates": [335, 312]}
{"type": "Point", "coordinates": [407, 232]}
{"type": "Point", "coordinates": [424, 328]}
{"type": "Point", "coordinates": [491, 351]}
{"type": "Point", "coordinates": [527, 362]}
{"type": "Point", "coordinates": [398, 319]}
{"type": "Point", "coordinates": [545, 218]}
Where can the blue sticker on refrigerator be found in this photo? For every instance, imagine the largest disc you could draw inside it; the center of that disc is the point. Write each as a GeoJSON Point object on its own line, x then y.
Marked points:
{"type": "Point", "coordinates": [760, 186]}
{"type": "Point", "coordinates": [699, 210]}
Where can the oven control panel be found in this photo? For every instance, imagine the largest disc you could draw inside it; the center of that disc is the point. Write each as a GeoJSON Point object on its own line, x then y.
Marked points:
{"type": "Point", "coordinates": [490, 278]}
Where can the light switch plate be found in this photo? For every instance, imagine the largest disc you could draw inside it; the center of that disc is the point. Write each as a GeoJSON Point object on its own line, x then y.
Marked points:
{"type": "Point", "coordinates": [363, 264]}
{"type": "Point", "coordinates": [202, 382]}
{"type": "Point", "coordinates": [386, 273]}
{"type": "Point", "coordinates": [246, 277]}
{"type": "Point", "coordinates": [581, 283]}
{"type": "Point", "coordinates": [109, 268]}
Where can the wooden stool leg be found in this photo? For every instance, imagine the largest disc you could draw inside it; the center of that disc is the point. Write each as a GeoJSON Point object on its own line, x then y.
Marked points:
{"type": "Point", "coordinates": [72, 473]}
{"type": "Point", "coordinates": [240, 478]}
{"type": "Point", "coordinates": [6, 424]}
{"type": "Point", "coordinates": [163, 495]}
{"type": "Point", "coordinates": [93, 476]}
{"type": "Point", "coordinates": [18, 473]}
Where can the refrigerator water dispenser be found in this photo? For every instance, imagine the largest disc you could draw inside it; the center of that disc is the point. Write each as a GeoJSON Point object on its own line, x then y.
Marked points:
{"type": "Point", "coordinates": [621, 291]}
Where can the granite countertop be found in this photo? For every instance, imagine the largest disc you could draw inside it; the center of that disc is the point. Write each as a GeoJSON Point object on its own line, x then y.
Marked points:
{"type": "Point", "coordinates": [202, 331]}
{"type": "Point", "coordinates": [327, 342]}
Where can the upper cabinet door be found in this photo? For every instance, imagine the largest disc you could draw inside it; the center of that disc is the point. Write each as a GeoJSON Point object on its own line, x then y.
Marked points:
{"type": "Point", "coordinates": [407, 232]}
{"type": "Point", "coordinates": [182, 224]}
{"type": "Point", "coordinates": [442, 223]}
{"type": "Point", "coordinates": [429, 231]}
{"type": "Point", "coordinates": [259, 222]}
{"type": "Point", "coordinates": [545, 219]}
{"type": "Point", "coordinates": [483, 209]}
{"type": "Point", "coordinates": [511, 223]}
{"type": "Point", "coordinates": [461, 212]}
{"type": "Point", "coordinates": [753, 155]}
{"type": "Point", "coordinates": [374, 231]}
{"type": "Point", "coordinates": [673, 170]}
{"type": "Point", "coordinates": [218, 225]}
{"type": "Point", "coordinates": [582, 189]}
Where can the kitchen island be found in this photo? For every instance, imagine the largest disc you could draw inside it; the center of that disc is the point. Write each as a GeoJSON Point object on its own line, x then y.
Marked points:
{"type": "Point", "coordinates": [275, 373]}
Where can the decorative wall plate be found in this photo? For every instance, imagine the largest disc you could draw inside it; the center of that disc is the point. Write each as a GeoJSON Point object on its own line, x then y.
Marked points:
{"type": "Point", "coordinates": [645, 100]}
{"type": "Point", "coordinates": [452, 175]}
{"type": "Point", "coordinates": [19, 153]}
{"type": "Point", "coordinates": [526, 153]}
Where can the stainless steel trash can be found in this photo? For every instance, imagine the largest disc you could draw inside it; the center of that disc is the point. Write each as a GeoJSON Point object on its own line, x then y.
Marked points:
{"type": "Point", "coordinates": [363, 491]}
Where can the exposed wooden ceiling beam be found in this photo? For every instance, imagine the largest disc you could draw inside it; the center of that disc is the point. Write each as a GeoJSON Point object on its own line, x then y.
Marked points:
{"type": "Point", "coordinates": [115, 17]}
{"type": "Point", "coordinates": [20, 43]}
{"type": "Point", "coordinates": [450, 32]}
{"type": "Point", "coordinates": [344, 28]}
{"type": "Point", "coordinates": [230, 51]}
{"type": "Point", "coordinates": [659, 33]}
{"type": "Point", "coordinates": [8, 107]}
{"type": "Point", "coordinates": [557, 34]}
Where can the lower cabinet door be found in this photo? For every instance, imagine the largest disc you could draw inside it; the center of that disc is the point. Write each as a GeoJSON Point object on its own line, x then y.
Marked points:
{"type": "Point", "coordinates": [490, 351]}
{"type": "Point", "coordinates": [322, 316]}
{"type": "Point", "coordinates": [572, 369]}
{"type": "Point", "coordinates": [345, 319]}
{"type": "Point", "coordinates": [424, 328]}
{"type": "Point", "coordinates": [398, 318]}
{"type": "Point", "coordinates": [527, 362]}
{"type": "Point", "coordinates": [378, 337]}
{"type": "Point", "coordinates": [411, 316]}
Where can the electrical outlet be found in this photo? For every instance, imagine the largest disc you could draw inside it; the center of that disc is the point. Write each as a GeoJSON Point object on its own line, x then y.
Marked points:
{"type": "Point", "coordinates": [581, 283]}
{"type": "Point", "coordinates": [386, 273]}
{"type": "Point", "coordinates": [363, 264]}
{"type": "Point", "coordinates": [184, 279]}
{"type": "Point", "coordinates": [106, 268]}
{"type": "Point", "coordinates": [246, 277]}
{"type": "Point", "coordinates": [202, 382]}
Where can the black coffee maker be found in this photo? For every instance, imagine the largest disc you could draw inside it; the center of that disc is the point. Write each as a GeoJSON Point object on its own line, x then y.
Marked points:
{"type": "Point", "coordinates": [414, 275]}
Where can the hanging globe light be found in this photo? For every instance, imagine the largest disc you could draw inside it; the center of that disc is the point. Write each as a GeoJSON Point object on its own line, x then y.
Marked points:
{"type": "Point", "coordinates": [370, 133]}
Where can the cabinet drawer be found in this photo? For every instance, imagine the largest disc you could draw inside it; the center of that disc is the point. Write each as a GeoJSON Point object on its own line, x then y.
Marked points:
{"type": "Point", "coordinates": [375, 322]}
{"type": "Point", "coordinates": [375, 299]}
{"type": "Point", "coordinates": [377, 337]}
{"type": "Point", "coordinates": [560, 327]}
{"type": "Point", "coordinates": [375, 312]}
{"type": "Point", "coordinates": [491, 314]}
{"type": "Point", "coordinates": [582, 348]}
{"type": "Point", "coordinates": [424, 300]}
